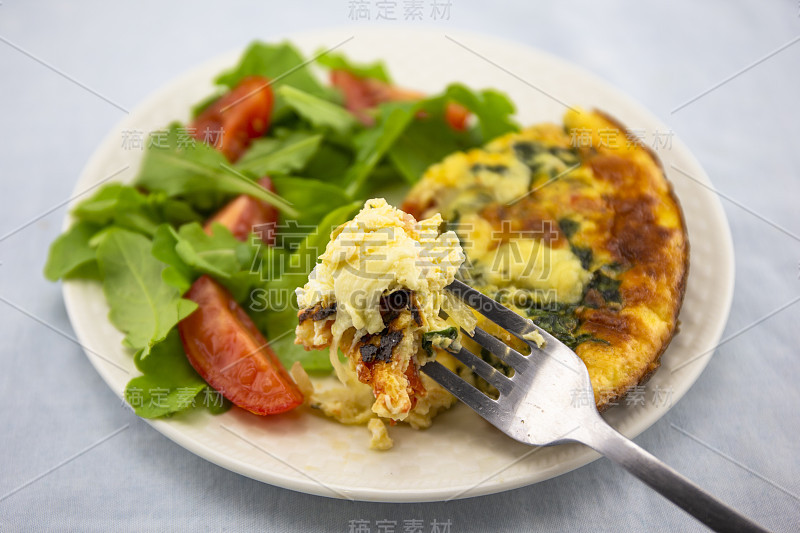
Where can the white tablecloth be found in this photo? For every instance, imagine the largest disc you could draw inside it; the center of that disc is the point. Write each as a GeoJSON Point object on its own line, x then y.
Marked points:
{"type": "Point", "coordinates": [66, 67]}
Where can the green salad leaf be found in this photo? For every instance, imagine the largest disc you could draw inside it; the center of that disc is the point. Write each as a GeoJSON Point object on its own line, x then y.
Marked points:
{"type": "Point", "coordinates": [425, 142]}
{"type": "Point", "coordinates": [196, 171]}
{"type": "Point", "coordinates": [168, 383]}
{"type": "Point", "coordinates": [118, 204]}
{"type": "Point", "coordinates": [321, 113]}
{"type": "Point", "coordinates": [280, 156]}
{"type": "Point", "coordinates": [220, 254]}
{"type": "Point", "coordinates": [190, 252]}
{"type": "Point", "coordinates": [312, 198]}
{"type": "Point", "coordinates": [373, 143]}
{"type": "Point", "coordinates": [493, 109]}
{"type": "Point", "coordinates": [110, 200]}
{"type": "Point", "coordinates": [71, 254]}
{"type": "Point", "coordinates": [329, 163]}
{"type": "Point", "coordinates": [414, 143]}
{"type": "Point", "coordinates": [142, 305]}
{"type": "Point", "coordinates": [177, 273]}
{"type": "Point", "coordinates": [337, 61]}
{"type": "Point", "coordinates": [125, 206]}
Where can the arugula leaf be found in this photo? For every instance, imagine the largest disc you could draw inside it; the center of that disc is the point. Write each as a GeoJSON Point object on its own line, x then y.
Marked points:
{"type": "Point", "coordinates": [273, 61]}
{"type": "Point", "coordinates": [330, 163]}
{"type": "Point", "coordinates": [142, 305]}
{"type": "Point", "coordinates": [168, 385]}
{"type": "Point", "coordinates": [312, 198]}
{"type": "Point", "coordinates": [119, 204]}
{"type": "Point", "coordinates": [373, 143]}
{"type": "Point", "coordinates": [172, 210]}
{"type": "Point", "coordinates": [197, 172]}
{"type": "Point", "coordinates": [338, 61]}
{"type": "Point", "coordinates": [177, 273]}
{"type": "Point", "coordinates": [125, 206]}
{"type": "Point", "coordinates": [426, 141]}
{"type": "Point", "coordinates": [102, 207]}
{"type": "Point", "coordinates": [281, 320]}
{"type": "Point", "coordinates": [492, 108]}
{"type": "Point", "coordinates": [302, 260]}
{"type": "Point", "coordinates": [219, 254]}
{"type": "Point", "coordinates": [71, 254]}
{"type": "Point", "coordinates": [413, 153]}
{"type": "Point", "coordinates": [279, 156]}
{"type": "Point", "coordinates": [190, 252]}
{"type": "Point", "coordinates": [321, 113]}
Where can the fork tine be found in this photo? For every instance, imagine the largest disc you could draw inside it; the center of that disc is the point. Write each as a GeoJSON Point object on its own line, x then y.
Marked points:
{"type": "Point", "coordinates": [497, 313]}
{"type": "Point", "coordinates": [459, 388]}
{"type": "Point", "coordinates": [505, 352]}
{"type": "Point", "coordinates": [484, 370]}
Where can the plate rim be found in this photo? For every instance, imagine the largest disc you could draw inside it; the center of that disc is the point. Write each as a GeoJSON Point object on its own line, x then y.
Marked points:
{"type": "Point", "coordinates": [310, 485]}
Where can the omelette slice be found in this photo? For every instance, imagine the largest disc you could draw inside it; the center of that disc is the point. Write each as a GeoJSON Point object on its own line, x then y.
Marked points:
{"type": "Point", "coordinates": [577, 228]}
{"type": "Point", "coordinates": [376, 294]}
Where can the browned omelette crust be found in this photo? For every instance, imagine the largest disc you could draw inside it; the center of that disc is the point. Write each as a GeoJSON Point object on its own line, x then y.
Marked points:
{"type": "Point", "coordinates": [659, 259]}
{"type": "Point", "coordinates": [629, 217]}
{"type": "Point", "coordinates": [657, 279]}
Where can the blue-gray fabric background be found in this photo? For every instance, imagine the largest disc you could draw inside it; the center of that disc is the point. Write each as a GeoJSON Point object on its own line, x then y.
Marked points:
{"type": "Point", "coordinates": [735, 433]}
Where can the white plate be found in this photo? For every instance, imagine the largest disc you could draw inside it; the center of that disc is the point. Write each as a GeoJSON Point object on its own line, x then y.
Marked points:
{"type": "Point", "coordinates": [461, 455]}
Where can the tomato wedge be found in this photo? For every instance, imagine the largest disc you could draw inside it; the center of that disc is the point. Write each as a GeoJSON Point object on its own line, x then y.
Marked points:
{"type": "Point", "coordinates": [236, 118]}
{"type": "Point", "coordinates": [229, 352]}
{"type": "Point", "coordinates": [362, 94]}
{"type": "Point", "coordinates": [244, 214]}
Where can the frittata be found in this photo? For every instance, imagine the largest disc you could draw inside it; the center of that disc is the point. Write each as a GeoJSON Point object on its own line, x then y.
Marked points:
{"type": "Point", "coordinates": [576, 227]}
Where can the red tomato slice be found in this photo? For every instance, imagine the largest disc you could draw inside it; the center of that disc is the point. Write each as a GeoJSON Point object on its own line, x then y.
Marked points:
{"type": "Point", "coordinates": [236, 118]}
{"type": "Point", "coordinates": [456, 115]}
{"type": "Point", "coordinates": [362, 94]}
{"type": "Point", "coordinates": [229, 352]}
{"type": "Point", "coordinates": [244, 214]}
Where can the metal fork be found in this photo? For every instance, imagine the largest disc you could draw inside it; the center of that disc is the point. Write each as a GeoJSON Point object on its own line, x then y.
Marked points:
{"type": "Point", "coordinates": [536, 406]}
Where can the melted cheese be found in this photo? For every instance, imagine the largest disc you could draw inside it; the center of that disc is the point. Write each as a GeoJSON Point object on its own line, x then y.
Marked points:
{"type": "Point", "coordinates": [381, 250]}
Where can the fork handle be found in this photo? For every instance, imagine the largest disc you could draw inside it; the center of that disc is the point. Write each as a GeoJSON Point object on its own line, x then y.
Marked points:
{"type": "Point", "coordinates": [667, 481]}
